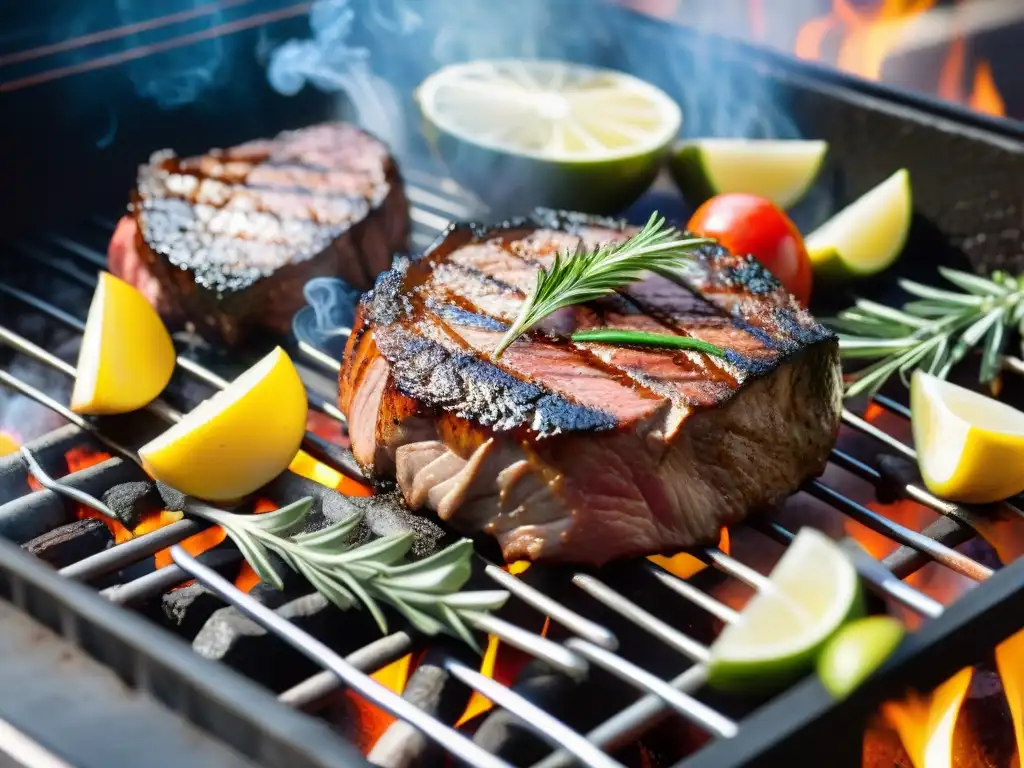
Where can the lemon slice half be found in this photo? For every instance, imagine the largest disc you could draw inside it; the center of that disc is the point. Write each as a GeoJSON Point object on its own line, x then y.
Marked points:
{"type": "Point", "coordinates": [127, 356]}
{"type": "Point", "coordinates": [814, 590]}
{"type": "Point", "coordinates": [970, 447]}
{"type": "Point", "coordinates": [238, 440]}
{"type": "Point", "coordinates": [778, 170]}
{"type": "Point", "coordinates": [868, 235]}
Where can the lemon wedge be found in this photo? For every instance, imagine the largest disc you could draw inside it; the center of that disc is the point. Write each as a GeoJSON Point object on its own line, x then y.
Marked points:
{"type": "Point", "coordinates": [813, 591]}
{"type": "Point", "coordinates": [970, 448]}
{"type": "Point", "coordinates": [868, 235]}
{"type": "Point", "coordinates": [238, 440]}
{"type": "Point", "coordinates": [127, 356]}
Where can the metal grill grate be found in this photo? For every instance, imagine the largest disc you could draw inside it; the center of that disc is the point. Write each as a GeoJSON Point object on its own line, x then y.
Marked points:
{"type": "Point", "coordinates": [590, 645]}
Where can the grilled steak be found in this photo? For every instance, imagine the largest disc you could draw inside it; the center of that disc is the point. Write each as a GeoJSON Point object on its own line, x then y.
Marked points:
{"type": "Point", "coordinates": [227, 240]}
{"type": "Point", "coordinates": [586, 452]}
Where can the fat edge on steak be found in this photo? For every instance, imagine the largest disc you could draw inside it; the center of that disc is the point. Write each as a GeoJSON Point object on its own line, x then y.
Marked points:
{"type": "Point", "coordinates": [586, 452]}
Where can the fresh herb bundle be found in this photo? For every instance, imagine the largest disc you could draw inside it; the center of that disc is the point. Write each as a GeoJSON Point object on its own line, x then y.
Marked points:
{"type": "Point", "coordinates": [934, 331]}
{"type": "Point", "coordinates": [584, 275]}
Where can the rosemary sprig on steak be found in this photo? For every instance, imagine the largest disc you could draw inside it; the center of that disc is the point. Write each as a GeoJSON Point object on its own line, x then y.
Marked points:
{"type": "Point", "coordinates": [426, 592]}
{"type": "Point", "coordinates": [585, 275]}
{"type": "Point", "coordinates": [935, 331]}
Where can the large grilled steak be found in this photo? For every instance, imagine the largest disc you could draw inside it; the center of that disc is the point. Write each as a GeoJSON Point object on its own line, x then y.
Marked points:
{"type": "Point", "coordinates": [226, 240]}
{"type": "Point", "coordinates": [586, 452]}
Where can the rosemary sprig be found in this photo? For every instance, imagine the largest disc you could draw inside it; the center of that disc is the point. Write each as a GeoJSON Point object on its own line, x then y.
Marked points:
{"type": "Point", "coordinates": [645, 339]}
{"type": "Point", "coordinates": [935, 331]}
{"type": "Point", "coordinates": [585, 275]}
{"type": "Point", "coordinates": [426, 592]}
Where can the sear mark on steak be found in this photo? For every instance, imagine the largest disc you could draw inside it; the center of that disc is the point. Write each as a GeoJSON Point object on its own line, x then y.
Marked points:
{"type": "Point", "coordinates": [586, 452]}
{"type": "Point", "coordinates": [227, 240]}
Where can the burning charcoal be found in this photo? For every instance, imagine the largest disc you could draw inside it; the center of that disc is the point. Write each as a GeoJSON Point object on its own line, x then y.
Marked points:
{"type": "Point", "coordinates": [72, 542]}
{"type": "Point", "coordinates": [387, 514]}
{"type": "Point", "coordinates": [39, 512]}
{"type": "Point", "coordinates": [187, 609]}
{"type": "Point", "coordinates": [238, 641]}
{"type": "Point", "coordinates": [504, 735]}
{"type": "Point", "coordinates": [130, 501]}
{"type": "Point", "coordinates": [173, 501]}
{"type": "Point", "coordinates": [433, 689]}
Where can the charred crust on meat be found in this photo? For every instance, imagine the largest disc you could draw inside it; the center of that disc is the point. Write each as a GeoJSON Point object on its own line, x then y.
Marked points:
{"type": "Point", "coordinates": [473, 388]}
{"type": "Point", "coordinates": [459, 316]}
{"type": "Point", "coordinates": [744, 272]}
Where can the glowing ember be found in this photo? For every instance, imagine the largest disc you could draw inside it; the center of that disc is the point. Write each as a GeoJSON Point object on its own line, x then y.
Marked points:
{"type": "Point", "coordinates": [372, 720]}
{"type": "Point", "coordinates": [1010, 663]}
{"type": "Point", "coordinates": [1003, 531]}
{"type": "Point", "coordinates": [925, 725]}
{"type": "Point", "coordinates": [311, 469]}
{"type": "Point", "coordinates": [8, 444]}
{"type": "Point", "coordinates": [77, 459]}
{"type": "Point", "coordinates": [194, 545]}
{"type": "Point", "coordinates": [504, 672]}
{"type": "Point", "coordinates": [869, 35]}
{"type": "Point", "coordinates": [685, 565]}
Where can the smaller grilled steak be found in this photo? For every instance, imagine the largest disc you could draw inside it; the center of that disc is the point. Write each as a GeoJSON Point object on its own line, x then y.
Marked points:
{"type": "Point", "coordinates": [227, 240]}
{"type": "Point", "coordinates": [586, 452]}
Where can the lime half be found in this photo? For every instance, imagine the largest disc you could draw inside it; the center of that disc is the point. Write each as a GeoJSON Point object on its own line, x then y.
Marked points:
{"type": "Point", "coordinates": [522, 133]}
{"type": "Point", "coordinates": [868, 235]}
{"type": "Point", "coordinates": [857, 650]}
{"type": "Point", "coordinates": [813, 591]}
{"type": "Point", "coordinates": [780, 171]}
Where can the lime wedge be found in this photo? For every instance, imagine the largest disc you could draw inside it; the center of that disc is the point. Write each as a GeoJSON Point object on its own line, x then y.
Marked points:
{"type": "Point", "coordinates": [969, 447]}
{"type": "Point", "coordinates": [868, 235]}
{"type": "Point", "coordinates": [525, 133]}
{"type": "Point", "coordinates": [814, 591]}
{"type": "Point", "coordinates": [780, 171]}
{"type": "Point", "coordinates": [857, 650]}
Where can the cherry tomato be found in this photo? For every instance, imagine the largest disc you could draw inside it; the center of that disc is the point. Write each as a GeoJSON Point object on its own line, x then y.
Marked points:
{"type": "Point", "coordinates": [747, 224]}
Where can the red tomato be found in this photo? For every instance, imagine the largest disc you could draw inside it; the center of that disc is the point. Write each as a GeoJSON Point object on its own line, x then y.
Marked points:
{"type": "Point", "coordinates": [747, 224]}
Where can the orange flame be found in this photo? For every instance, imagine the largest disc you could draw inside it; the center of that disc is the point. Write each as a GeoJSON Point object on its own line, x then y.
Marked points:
{"type": "Point", "coordinates": [868, 36]}
{"type": "Point", "coordinates": [504, 670]}
{"type": "Point", "coordinates": [985, 96]}
{"type": "Point", "coordinates": [925, 724]}
{"type": "Point", "coordinates": [1010, 664]}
